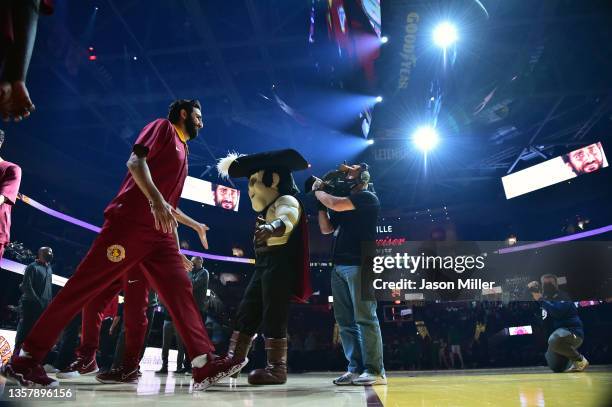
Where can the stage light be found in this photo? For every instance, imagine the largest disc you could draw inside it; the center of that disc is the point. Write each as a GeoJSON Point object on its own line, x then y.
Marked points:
{"type": "Point", "coordinates": [445, 34]}
{"type": "Point", "coordinates": [135, 58]}
{"type": "Point", "coordinates": [384, 39]}
{"type": "Point", "coordinates": [370, 142]}
{"type": "Point", "coordinates": [379, 99]}
{"type": "Point", "coordinates": [425, 138]}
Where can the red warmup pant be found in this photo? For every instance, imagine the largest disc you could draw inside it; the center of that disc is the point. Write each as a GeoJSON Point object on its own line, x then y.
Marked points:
{"type": "Point", "coordinates": [136, 292]}
{"type": "Point", "coordinates": [120, 247]}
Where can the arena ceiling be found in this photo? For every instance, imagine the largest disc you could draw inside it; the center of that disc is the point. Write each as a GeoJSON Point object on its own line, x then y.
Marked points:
{"type": "Point", "coordinates": [536, 82]}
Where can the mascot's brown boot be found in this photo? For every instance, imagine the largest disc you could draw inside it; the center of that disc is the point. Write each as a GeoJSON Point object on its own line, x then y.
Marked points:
{"type": "Point", "coordinates": [276, 369]}
{"type": "Point", "coordinates": [239, 347]}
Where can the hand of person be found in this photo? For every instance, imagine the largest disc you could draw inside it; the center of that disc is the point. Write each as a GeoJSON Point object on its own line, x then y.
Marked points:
{"type": "Point", "coordinates": [533, 286]}
{"type": "Point", "coordinates": [317, 184]}
{"type": "Point", "coordinates": [20, 101]}
{"type": "Point", "coordinates": [202, 229]}
{"type": "Point", "coordinates": [164, 218]}
{"type": "Point", "coordinates": [15, 101]}
{"type": "Point", "coordinates": [263, 233]}
{"type": "Point", "coordinates": [186, 263]}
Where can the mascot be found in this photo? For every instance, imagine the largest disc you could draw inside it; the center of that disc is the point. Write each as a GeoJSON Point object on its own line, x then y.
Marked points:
{"type": "Point", "coordinates": [281, 257]}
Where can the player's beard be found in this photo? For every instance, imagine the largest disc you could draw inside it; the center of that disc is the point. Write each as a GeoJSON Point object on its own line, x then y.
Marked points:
{"type": "Point", "coordinates": [192, 129]}
{"type": "Point", "coordinates": [591, 166]}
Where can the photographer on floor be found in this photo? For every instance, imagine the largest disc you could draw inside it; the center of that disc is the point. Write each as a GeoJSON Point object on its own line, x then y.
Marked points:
{"type": "Point", "coordinates": [560, 316]}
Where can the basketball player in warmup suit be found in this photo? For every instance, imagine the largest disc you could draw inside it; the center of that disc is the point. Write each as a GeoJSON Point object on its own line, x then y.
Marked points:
{"type": "Point", "coordinates": [140, 228]}
{"type": "Point", "coordinates": [136, 292]}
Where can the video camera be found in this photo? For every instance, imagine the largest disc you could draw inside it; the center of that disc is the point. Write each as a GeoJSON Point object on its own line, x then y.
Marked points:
{"type": "Point", "coordinates": [336, 182]}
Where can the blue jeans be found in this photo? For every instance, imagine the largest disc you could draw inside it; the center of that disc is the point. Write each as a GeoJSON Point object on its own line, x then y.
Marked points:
{"type": "Point", "coordinates": [359, 327]}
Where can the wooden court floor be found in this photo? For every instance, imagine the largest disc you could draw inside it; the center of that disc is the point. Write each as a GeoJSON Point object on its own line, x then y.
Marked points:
{"type": "Point", "coordinates": [469, 388]}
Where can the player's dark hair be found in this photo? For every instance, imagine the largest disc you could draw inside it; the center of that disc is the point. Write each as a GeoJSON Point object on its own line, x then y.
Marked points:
{"type": "Point", "coordinates": [546, 276]}
{"type": "Point", "coordinates": [174, 111]}
{"type": "Point", "coordinates": [566, 158]}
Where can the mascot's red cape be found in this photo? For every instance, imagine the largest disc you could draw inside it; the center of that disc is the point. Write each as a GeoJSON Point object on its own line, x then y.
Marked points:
{"type": "Point", "coordinates": [303, 289]}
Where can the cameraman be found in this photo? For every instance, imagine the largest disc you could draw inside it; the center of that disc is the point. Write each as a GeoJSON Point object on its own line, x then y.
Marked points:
{"type": "Point", "coordinates": [353, 221]}
{"type": "Point", "coordinates": [561, 317]}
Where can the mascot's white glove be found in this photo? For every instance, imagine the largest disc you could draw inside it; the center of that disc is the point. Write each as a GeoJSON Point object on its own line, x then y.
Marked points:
{"type": "Point", "coordinates": [317, 184]}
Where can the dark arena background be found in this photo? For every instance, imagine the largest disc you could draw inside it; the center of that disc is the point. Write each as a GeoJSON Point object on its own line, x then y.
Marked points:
{"type": "Point", "coordinates": [484, 124]}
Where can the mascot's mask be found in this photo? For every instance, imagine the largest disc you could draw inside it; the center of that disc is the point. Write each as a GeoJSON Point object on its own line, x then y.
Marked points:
{"type": "Point", "coordinates": [269, 174]}
{"type": "Point", "coordinates": [261, 194]}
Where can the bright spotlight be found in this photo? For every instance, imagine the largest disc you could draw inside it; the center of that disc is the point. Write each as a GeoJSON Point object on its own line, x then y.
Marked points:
{"type": "Point", "coordinates": [370, 142]}
{"type": "Point", "coordinates": [425, 138]}
{"type": "Point", "coordinates": [445, 34]}
{"type": "Point", "coordinates": [384, 39]}
{"type": "Point", "coordinates": [379, 99]}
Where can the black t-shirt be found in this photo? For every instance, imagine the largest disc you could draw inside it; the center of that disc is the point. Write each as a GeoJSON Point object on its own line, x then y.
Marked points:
{"type": "Point", "coordinates": [353, 228]}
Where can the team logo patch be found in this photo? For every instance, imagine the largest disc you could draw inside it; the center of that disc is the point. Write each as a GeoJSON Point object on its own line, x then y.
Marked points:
{"type": "Point", "coordinates": [115, 253]}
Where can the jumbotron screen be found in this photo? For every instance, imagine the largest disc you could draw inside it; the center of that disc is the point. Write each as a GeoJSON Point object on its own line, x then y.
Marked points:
{"type": "Point", "coordinates": [211, 194]}
{"type": "Point", "coordinates": [581, 161]}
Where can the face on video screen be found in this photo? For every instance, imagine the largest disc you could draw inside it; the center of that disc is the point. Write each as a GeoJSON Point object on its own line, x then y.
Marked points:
{"type": "Point", "coordinates": [226, 197]}
{"type": "Point", "coordinates": [586, 160]}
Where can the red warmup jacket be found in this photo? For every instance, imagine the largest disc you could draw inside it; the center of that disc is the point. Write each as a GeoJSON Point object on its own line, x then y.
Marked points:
{"type": "Point", "coordinates": [10, 179]}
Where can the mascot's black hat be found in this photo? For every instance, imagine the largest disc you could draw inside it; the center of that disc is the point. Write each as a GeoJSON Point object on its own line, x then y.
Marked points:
{"type": "Point", "coordinates": [239, 166]}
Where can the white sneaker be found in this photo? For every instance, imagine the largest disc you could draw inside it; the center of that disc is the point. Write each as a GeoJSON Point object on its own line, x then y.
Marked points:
{"type": "Point", "coordinates": [368, 379]}
{"type": "Point", "coordinates": [346, 379]}
{"type": "Point", "coordinates": [579, 365]}
{"type": "Point", "coordinates": [50, 368]}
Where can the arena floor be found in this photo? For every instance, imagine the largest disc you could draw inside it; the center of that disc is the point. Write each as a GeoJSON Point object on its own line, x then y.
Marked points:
{"type": "Point", "coordinates": [503, 387]}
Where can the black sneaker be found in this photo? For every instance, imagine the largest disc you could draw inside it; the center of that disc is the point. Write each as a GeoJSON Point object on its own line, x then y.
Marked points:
{"type": "Point", "coordinates": [163, 370]}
